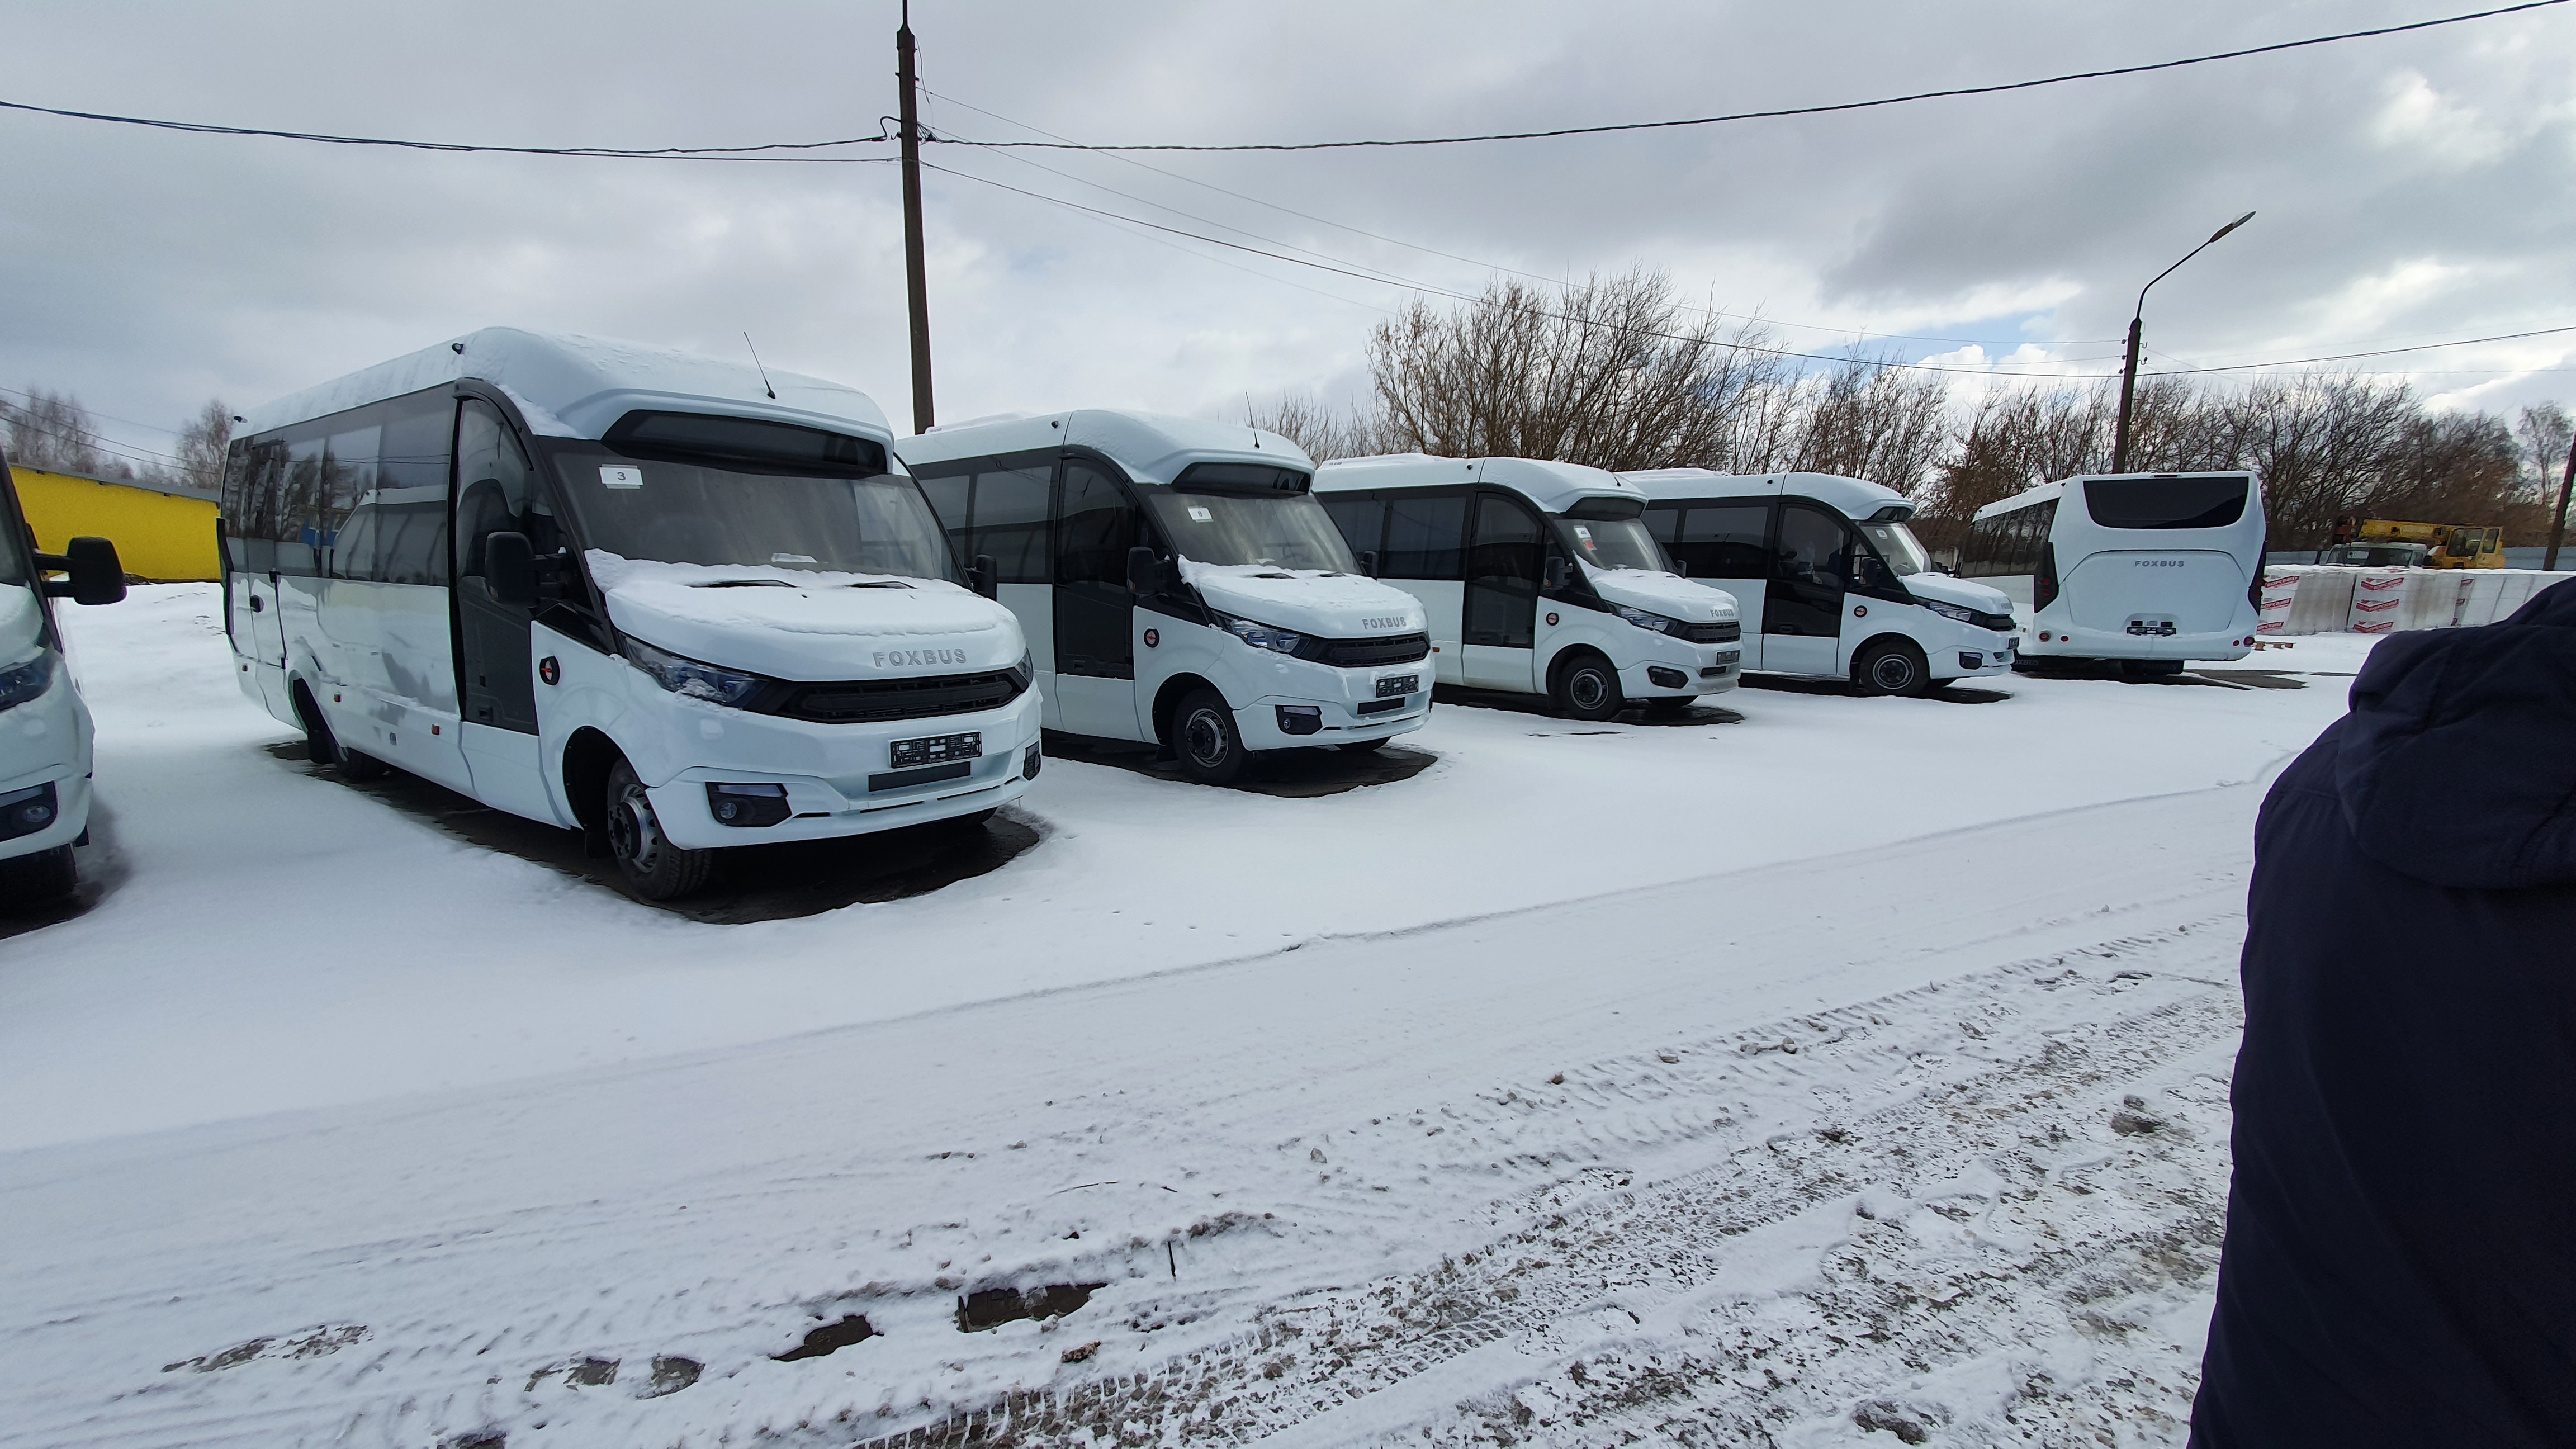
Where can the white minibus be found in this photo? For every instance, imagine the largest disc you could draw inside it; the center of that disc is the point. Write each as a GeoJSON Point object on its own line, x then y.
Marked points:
{"type": "Point", "coordinates": [1830, 582]}
{"type": "Point", "coordinates": [1178, 584]}
{"type": "Point", "coordinates": [2145, 569]}
{"type": "Point", "coordinates": [45, 734]}
{"type": "Point", "coordinates": [665, 600]}
{"type": "Point", "coordinates": [1537, 578]}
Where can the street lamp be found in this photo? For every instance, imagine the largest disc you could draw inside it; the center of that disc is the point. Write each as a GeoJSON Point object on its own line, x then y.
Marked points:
{"type": "Point", "coordinates": [2129, 372]}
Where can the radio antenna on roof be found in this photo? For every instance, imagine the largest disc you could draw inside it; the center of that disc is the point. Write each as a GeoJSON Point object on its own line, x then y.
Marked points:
{"type": "Point", "coordinates": [764, 371]}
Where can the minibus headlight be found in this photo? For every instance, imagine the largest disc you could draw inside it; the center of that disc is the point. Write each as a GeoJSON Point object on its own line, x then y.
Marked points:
{"type": "Point", "coordinates": [1644, 620]}
{"type": "Point", "coordinates": [689, 676]}
{"type": "Point", "coordinates": [1949, 611]}
{"type": "Point", "coordinates": [22, 682]}
{"type": "Point", "coordinates": [1264, 636]}
{"type": "Point", "coordinates": [1026, 671]}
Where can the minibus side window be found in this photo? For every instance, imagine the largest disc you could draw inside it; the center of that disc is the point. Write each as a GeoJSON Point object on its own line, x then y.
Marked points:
{"type": "Point", "coordinates": [1723, 540]}
{"type": "Point", "coordinates": [1422, 536]}
{"type": "Point", "coordinates": [497, 491]}
{"type": "Point", "coordinates": [411, 490]}
{"type": "Point", "coordinates": [1503, 568]}
{"type": "Point", "coordinates": [1093, 609]}
{"type": "Point", "coordinates": [1010, 523]}
{"type": "Point", "coordinates": [254, 477]}
{"type": "Point", "coordinates": [299, 513]}
{"type": "Point", "coordinates": [949, 495]}
{"type": "Point", "coordinates": [1810, 566]}
{"type": "Point", "coordinates": [1362, 521]}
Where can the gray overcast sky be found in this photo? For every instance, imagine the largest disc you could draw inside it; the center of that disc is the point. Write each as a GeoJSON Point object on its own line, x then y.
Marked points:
{"type": "Point", "coordinates": [2411, 188]}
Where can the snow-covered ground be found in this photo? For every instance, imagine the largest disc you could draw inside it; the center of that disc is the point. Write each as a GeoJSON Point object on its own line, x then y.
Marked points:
{"type": "Point", "coordinates": [1751, 1082]}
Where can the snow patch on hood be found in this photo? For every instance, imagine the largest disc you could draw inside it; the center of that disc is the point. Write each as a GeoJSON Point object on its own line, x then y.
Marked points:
{"type": "Point", "coordinates": [807, 624]}
{"type": "Point", "coordinates": [1308, 601]}
{"type": "Point", "coordinates": [1670, 595]}
{"type": "Point", "coordinates": [1941, 588]}
{"type": "Point", "coordinates": [2453, 766]}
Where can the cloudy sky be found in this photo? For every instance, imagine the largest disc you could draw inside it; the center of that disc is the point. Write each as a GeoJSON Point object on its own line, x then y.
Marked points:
{"type": "Point", "coordinates": [2411, 189]}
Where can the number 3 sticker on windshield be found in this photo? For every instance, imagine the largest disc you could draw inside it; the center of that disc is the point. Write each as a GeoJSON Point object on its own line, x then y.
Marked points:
{"type": "Point", "coordinates": [621, 477]}
{"type": "Point", "coordinates": [1200, 515]}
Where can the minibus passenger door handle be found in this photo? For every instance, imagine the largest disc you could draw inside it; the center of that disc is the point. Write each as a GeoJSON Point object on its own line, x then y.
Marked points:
{"type": "Point", "coordinates": [255, 605]}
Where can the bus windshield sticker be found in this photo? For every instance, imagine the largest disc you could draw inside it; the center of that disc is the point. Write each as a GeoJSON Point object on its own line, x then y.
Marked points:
{"type": "Point", "coordinates": [1201, 515]}
{"type": "Point", "coordinates": [615, 477]}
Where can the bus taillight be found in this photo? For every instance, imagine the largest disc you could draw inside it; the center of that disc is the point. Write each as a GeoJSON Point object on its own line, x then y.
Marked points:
{"type": "Point", "coordinates": [2043, 587]}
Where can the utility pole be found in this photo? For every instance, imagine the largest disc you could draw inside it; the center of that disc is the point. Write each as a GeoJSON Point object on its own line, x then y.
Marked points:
{"type": "Point", "coordinates": [916, 278]}
{"type": "Point", "coordinates": [2558, 530]}
{"type": "Point", "coordinates": [2129, 369]}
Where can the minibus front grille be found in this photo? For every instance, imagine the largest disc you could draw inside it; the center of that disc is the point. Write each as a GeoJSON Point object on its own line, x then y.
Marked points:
{"type": "Point", "coordinates": [1367, 653]}
{"type": "Point", "coordinates": [874, 701]}
{"type": "Point", "coordinates": [1724, 633]}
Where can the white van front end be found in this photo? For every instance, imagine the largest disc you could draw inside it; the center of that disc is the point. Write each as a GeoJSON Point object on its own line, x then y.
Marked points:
{"type": "Point", "coordinates": [1965, 630]}
{"type": "Point", "coordinates": [763, 705]}
{"type": "Point", "coordinates": [1302, 656]}
{"type": "Point", "coordinates": [1667, 637]}
{"type": "Point", "coordinates": [45, 735]}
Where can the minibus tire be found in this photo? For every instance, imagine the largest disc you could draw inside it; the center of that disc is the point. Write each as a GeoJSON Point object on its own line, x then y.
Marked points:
{"type": "Point", "coordinates": [1892, 666]}
{"type": "Point", "coordinates": [654, 868]}
{"type": "Point", "coordinates": [39, 879]}
{"type": "Point", "coordinates": [324, 748]}
{"type": "Point", "coordinates": [1205, 739]}
{"type": "Point", "coordinates": [1585, 687]}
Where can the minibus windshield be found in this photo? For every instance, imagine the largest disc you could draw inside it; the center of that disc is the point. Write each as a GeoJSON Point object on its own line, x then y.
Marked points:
{"type": "Point", "coordinates": [1612, 543]}
{"type": "Point", "coordinates": [1897, 544]}
{"type": "Point", "coordinates": [694, 513]}
{"type": "Point", "coordinates": [1287, 531]}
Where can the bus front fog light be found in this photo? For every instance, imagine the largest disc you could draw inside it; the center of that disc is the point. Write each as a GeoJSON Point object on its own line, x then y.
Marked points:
{"type": "Point", "coordinates": [1300, 719]}
{"type": "Point", "coordinates": [1971, 659]}
{"type": "Point", "coordinates": [746, 805]}
{"type": "Point", "coordinates": [1662, 678]}
{"type": "Point", "coordinates": [24, 812]}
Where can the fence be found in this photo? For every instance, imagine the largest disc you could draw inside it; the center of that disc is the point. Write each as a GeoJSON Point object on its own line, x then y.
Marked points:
{"type": "Point", "coordinates": [2308, 599]}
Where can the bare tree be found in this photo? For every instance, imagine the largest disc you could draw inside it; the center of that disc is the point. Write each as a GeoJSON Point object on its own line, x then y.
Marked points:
{"type": "Point", "coordinates": [1871, 419]}
{"type": "Point", "coordinates": [201, 447]}
{"type": "Point", "coordinates": [1610, 373]}
{"type": "Point", "coordinates": [1323, 433]}
{"type": "Point", "coordinates": [52, 431]}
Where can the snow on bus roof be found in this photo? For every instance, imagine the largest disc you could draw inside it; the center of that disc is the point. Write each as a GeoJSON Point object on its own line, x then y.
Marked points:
{"type": "Point", "coordinates": [1554, 487]}
{"type": "Point", "coordinates": [1151, 447]}
{"type": "Point", "coordinates": [1856, 498]}
{"type": "Point", "coordinates": [578, 387]}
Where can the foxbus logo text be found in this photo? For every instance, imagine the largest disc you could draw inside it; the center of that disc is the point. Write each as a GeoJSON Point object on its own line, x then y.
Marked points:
{"type": "Point", "coordinates": [900, 657]}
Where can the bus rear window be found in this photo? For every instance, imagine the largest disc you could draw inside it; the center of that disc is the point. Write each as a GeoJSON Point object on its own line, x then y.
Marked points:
{"type": "Point", "coordinates": [2166, 502]}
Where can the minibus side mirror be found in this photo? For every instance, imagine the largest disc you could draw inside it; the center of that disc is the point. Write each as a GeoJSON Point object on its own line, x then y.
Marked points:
{"type": "Point", "coordinates": [510, 569]}
{"type": "Point", "coordinates": [1144, 571]}
{"type": "Point", "coordinates": [96, 575]}
{"type": "Point", "coordinates": [979, 576]}
{"type": "Point", "coordinates": [1557, 572]}
{"type": "Point", "coordinates": [1681, 566]}
{"type": "Point", "coordinates": [1368, 562]}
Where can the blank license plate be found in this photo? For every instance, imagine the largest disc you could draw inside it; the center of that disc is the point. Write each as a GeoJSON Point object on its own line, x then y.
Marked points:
{"type": "Point", "coordinates": [1398, 684]}
{"type": "Point", "coordinates": [938, 750]}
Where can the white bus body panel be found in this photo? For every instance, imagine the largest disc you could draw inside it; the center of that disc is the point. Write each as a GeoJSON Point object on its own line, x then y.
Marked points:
{"type": "Point", "coordinates": [2115, 582]}
{"type": "Point", "coordinates": [47, 740]}
{"type": "Point", "coordinates": [380, 659]}
{"type": "Point", "coordinates": [1946, 643]}
{"type": "Point", "coordinates": [1154, 450]}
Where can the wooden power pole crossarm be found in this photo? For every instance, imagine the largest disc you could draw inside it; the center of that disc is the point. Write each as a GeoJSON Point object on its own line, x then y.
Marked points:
{"type": "Point", "coordinates": [916, 277]}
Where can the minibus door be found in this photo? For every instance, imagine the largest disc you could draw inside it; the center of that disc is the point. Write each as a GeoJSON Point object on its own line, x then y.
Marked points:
{"type": "Point", "coordinates": [1095, 615]}
{"type": "Point", "coordinates": [1802, 612]}
{"type": "Point", "coordinates": [496, 493]}
{"type": "Point", "coordinates": [1505, 555]}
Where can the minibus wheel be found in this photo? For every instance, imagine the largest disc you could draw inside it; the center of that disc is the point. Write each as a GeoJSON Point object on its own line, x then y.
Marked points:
{"type": "Point", "coordinates": [1892, 666]}
{"type": "Point", "coordinates": [1586, 687]}
{"type": "Point", "coordinates": [655, 869]}
{"type": "Point", "coordinates": [324, 748]}
{"type": "Point", "coordinates": [40, 879]}
{"type": "Point", "coordinates": [1205, 740]}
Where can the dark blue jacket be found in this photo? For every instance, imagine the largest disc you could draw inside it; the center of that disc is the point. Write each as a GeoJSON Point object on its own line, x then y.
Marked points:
{"type": "Point", "coordinates": [2400, 1267]}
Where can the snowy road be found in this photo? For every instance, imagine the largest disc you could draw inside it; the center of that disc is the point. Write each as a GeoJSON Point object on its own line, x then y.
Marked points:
{"type": "Point", "coordinates": [1758, 1083]}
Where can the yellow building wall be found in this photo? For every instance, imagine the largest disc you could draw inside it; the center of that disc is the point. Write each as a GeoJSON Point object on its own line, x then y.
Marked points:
{"type": "Point", "coordinates": [158, 536]}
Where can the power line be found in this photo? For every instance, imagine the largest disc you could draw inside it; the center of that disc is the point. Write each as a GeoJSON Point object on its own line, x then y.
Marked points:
{"type": "Point", "coordinates": [1461, 296]}
{"type": "Point", "coordinates": [1435, 251]}
{"type": "Point", "coordinates": [653, 153]}
{"type": "Point", "coordinates": [2375, 352]}
{"type": "Point", "coordinates": [1778, 113]}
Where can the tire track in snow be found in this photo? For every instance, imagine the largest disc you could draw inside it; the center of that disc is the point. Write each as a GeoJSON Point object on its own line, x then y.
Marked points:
{"type": "Point", "coordinates": [1566, 1296]}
